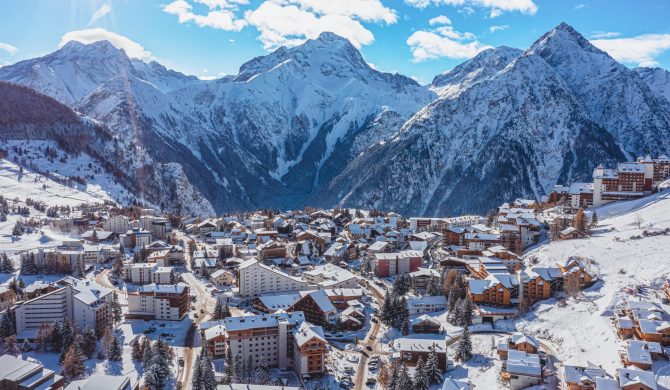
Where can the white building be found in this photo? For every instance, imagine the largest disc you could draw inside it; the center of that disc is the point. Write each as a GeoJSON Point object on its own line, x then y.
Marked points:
{"type": "Point", "coordinates": [83, 302]}
{"type": "Point", "coordinates": [145, 273]}
{"type": "Point", "coordinates": [427, 304]}
{"type": "Point", "coordinates": [159, 301]}
{"type": "Point", "coordinates": [331, 276]}
{"type": "Point", "coordinates": [524, 369]}
{"type": "Point", "coordinates": [258, 279]}
{"type": "Point", "coordinates": [118, 224]}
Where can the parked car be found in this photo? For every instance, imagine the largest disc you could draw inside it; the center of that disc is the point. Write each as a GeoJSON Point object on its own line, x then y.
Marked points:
{"type": "Point", "coordinates": [181, 362]}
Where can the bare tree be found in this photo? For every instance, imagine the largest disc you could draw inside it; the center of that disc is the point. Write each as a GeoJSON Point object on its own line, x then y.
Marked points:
{"type": "Point", "coordinates": [639, 220]}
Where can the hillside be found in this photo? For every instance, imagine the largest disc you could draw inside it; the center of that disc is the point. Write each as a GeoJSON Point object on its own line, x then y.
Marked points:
{"type": "Point", "coordinates": [622, 258]}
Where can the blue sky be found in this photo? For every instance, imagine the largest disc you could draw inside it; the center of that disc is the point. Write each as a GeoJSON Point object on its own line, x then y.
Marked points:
{"type": "Point", "coordinates": [418, 38]}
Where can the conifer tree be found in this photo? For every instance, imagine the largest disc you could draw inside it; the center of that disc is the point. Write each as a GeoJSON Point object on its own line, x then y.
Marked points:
{"type": "Point", "coordinates": [88, 342]}
{"type": "Point", "coordinates": [421, 381]}
{"type": "Point", "coordinates": [10, 345]}
{"type": "Point", "coordinates": [464, 348]}
{"type": "Point", "coordinates": [6, 265]}
{"type": "Point", "coordinates": [6, 325]}
{"type": "Point", "coordinates": [208, 380]}
{"type": "Point", "coordinates": [594, 219]}
{"type": "Point", "coordinates": [433, 370]}
{"type": "Point", "coordinates": [115, 353]}
{"type": "Point", "coordinates": [73, 363]}
{"type": "Point", "coordinates": [26, 347]}
{"type": "Point", "coordinates": [229, 369]}
{"type": "Point", "coordinates": [136, 348]}
{"type": "Point", "coordinates": [117, 312]}
{"type": "Point", "coordinates": [405, 327]}
{"type": "Point", "coordinates": [404, 380]}
{"type": "Point", "coordinates": [196, 377]}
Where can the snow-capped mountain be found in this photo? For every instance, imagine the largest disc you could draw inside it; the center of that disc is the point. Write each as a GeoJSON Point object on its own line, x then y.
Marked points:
{"type": "Point", "coordinates": [657, 79]}
{"type": "Point", "coordinates": [315, 124]}
{"type": "Point", "coordinates": [551, 114]}
{"type": "Point", "coordinates": [483, 65]}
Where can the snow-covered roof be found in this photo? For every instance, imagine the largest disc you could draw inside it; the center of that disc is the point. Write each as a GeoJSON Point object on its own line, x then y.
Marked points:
{"type": "Point", "coordinates": [261, 321]}
{"type": "Point", "coordinates": [307, 332]}
{"type": "Point", "coordinates": [164, 288]}
{"type": "Point", "coordinates": [632, 377]}
{"type": "Point", "coordinates": [420, 345]}
{"type": "Point", "coordinates": [640, 351]}
{"type": "Point", "coordinates": [522, 363]}
{"type": "Point", "coordinates": [276, 302]}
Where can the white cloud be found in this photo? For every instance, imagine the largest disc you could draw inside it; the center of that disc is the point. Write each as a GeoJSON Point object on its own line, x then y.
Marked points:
{"type": "Point", "coordinates": [291, 22]}
{"type": "Point", "coordinates": [499, 28]}
{"type": "Point", "coordinates": [8, 48]}
{"type": "Point", "coordinates": [580, 6]}
{"type": "Point", "coordinates": [221, 14]}
{"type": "Point", "coordinates": [496, 7]}
{"type": "Point", "coordinates": [439, 20]}
{"type": "Point", "coordinates": [641, 50]}
{"type": "Point", "coordinates": [604, 34]}
{"type": "Point", "coordinates": [99, 13]}
{"type": "Point", "coordinates": [444, 42]}
{"type": "Point", "coordinates": [132, 48]}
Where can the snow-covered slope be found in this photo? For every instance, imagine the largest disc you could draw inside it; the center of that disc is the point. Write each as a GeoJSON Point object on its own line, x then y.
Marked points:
{"type": "Point", "coordinates": [314, 124]}
{"type": "Point", "coordinates": [657, 79]}
{"type": "Point", "coordinates": [46, 137]}
{"type": "Point", "coordinates": [483, 65]}
{"type": "Point", "coordinates": [622, 258]}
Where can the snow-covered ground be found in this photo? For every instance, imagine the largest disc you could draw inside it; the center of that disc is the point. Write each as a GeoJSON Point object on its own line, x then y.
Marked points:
{"type": "Point", "coordinates": [581, 330]}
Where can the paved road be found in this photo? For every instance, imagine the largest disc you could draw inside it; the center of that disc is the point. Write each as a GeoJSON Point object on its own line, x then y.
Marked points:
{"type": "Point", "coordinates": [371, 340]}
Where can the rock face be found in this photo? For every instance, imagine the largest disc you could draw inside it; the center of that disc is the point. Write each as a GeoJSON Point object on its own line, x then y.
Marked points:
{"type": "Point", "coordinates": [314, 124]}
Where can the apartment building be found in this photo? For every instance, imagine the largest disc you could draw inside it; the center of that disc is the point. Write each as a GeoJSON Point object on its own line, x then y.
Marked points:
{"type": "Point", "coordinates": [20, 374]}
{"type": "Point", "coordinates": [282, 340]}
{"type": "Point", "coordinates": [159, 302]}
{"type": "Point", "coordinates": [146, 273]}
{"type": "Point", "coordinates": [331, 276]}
{"type": "Point", "coordinates": [83, 302]}
{"type": "Point", "coordinates": [118, 224]}
{"type": "Point", "coordinates": [256, 279]}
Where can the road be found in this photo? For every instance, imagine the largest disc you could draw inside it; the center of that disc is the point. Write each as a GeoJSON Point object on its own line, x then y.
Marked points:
{"type": "Point", "coordinates": [370, 340]}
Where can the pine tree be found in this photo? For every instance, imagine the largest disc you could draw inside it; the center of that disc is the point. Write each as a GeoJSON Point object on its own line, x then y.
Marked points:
{"type": "Point", "coordinates": [226, 311]}
{"type": "Point", "coordinates": [404, 380]}
{"type": "Point", "coordinates": [6, 325]}
{"type": "Point", "coordinates": [196, 377]}
{"type": "Point", "coordinates": [229, 369]}
{"type": "Point", "coordinates": [6, 265]}
{"type": "Point", "coordinates": [88, 342]}
{"type": "Point", "coordinates": [239, 370]}
{"type": "Point", "coordinates": [136, 348]}
{"type": "Point", "coordinates": [468, 311]}
{"type": "Point", "coordinates": [115, 353]}
{"type": "Point", "coordinates": [393, 382]}
{"type": "Point", "coordinates": [10, 345]}
{"type": "Point", "coordinates": [26, 347]}
{"type": "Point", "coordinates": [594, 219]}
{"type": "Point", "coordinates": [218, 310]}
{"type": "Point", "coordinates": [208, 379]}
{"type": "Point", "coordinates": [464, 348]}
{"type": "Point", "coordinates": [405, 327]}
{"type": "Point", "coordinates": [117, 312]}
{"type": "Point", "coordinates": [421, 381]}
{"type": "Point", "coordinates": [146, 352]}
{"type": "Point", "coordinates": [580, 221]}
{"type": "Point", "coordinates": [73, 363]}
{"type": "Point", "coordinates": [56, 337]}
{"type": "Point", "coordinates": [67, 338]}
{"type": "Point", "coordinates": [261, 374]}
{"type": "Point", "coordinates": [248, 369]}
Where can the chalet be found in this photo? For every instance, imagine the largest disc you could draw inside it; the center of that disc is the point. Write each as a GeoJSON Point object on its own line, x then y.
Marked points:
{"type": "Point", "coordinates": [457, 384]}
{"type": "Point", "coordinates": [571, 233]}
{"type": "Point", "coordinates": [496, 290]}
{"type": "Point", "coordinates": [270, 303]}
{"type": "Point", "coordinates": [641, 354]}
{"type": "Point", "coordinates": [575, 268]}
{"type": "Point", "coordinates": [582, 378]}
{"type": "Point", "coordinates": [478, 242]}
{"type": "Point", "coordinates": [580, 195]}
{"type": "Point", "coordinates": [522, 369]}
{"type": "Point", "coordinates": [309, 349]}
{"type": "Point", "coordinates": [271, 250]}
{"type": "Point", "coordinates": [222, 278]}
{"type": "Point", "coordinates": [331, 276]}
{"type": "Point", "coordinates": [533, 287]}
{"type": "Point", "coordinates": [654, 331]}
{"type": "Point", "coordinates": [408, 350]}
{"type": "Point", "coordinates": [316, 306]}
{"type": "Point", "coordinates": [636, 379]}
{"type": "Point", "coordinates": [518, 342]}
{"type": "Point", "coordinates": [422, 276]}
{"type": "Point", "coordinates": [426, 324]}
{"type": "Point", "coordinates": [340, 297]}
{"type": "Point", "coordinates": [339, 251]}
